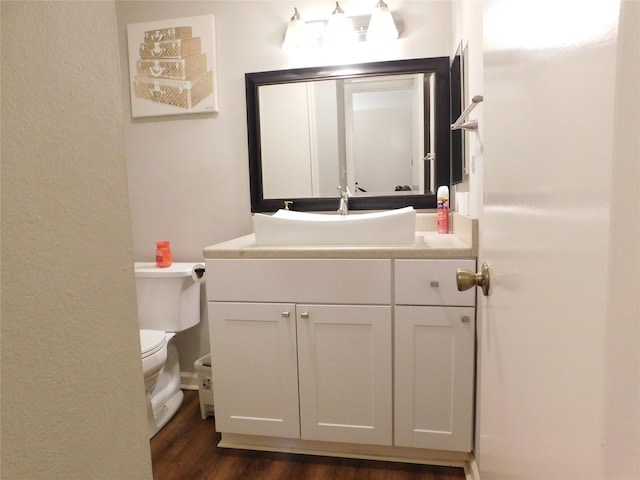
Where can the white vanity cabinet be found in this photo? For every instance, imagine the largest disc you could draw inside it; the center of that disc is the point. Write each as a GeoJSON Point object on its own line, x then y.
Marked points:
{"type": "Point", "coordinates": [324, 353]}
{"type": "Point", "coordinates": [302, 348]}
{"type": "Point", "coordinates": [434, 356]}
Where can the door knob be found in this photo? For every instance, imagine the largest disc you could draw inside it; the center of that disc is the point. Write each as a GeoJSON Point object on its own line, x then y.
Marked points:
{"type": "Point", "coordinates": [467, 279]}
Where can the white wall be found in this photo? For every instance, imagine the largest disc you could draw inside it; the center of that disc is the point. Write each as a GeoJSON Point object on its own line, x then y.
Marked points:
{"type": "Point", "coordinates": [325, 142]}
{"type": "Point", "coordinates": [72, 387]}
{"type": "Point", "coordinates": [467, 27]}
{"type": "Point", "coordinates": [188, 176]}
{"type": "Point", "coordinates": [287, 163]}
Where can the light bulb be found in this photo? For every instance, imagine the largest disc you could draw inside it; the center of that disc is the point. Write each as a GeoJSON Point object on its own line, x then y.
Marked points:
{"type": "Point", "coordinates": [382, 28]}
{"type": "Point", "coordinates": [340, 32]}
{"type": "Point", "coordinates": [296, 35]}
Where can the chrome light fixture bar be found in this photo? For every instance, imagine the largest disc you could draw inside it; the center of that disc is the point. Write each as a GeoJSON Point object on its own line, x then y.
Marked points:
{"type": "Point", "coordinates": [340, 30]}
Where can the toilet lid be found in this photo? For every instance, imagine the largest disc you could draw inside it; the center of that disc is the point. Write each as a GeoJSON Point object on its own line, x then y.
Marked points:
{"type": "Point", "coordinates": [151, 341]}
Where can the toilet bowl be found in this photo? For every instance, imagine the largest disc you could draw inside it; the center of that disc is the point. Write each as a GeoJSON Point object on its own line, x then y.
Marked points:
{"type": "Point", "coordinates": [161, 370]}
{"type": "Point", "coordinates": [168, 302]}
{"type": "Point", "coordinates": [153, 350]}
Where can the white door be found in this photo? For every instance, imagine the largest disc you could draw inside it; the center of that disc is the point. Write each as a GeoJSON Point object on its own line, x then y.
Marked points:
{"type": "Point", "coordinates": [387, 105]}
{"type": "Point", "coordinates": [559, 362]}
{"type": "Point", "coordinates": [344, 362]}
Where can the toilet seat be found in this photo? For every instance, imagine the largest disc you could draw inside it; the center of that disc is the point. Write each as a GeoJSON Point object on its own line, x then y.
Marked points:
{"type": "Point", "coordinates": [151, 341]}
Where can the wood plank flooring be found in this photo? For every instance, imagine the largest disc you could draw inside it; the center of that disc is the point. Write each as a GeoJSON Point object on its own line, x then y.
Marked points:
{"type": "Point", "coordinates": [185, 449]}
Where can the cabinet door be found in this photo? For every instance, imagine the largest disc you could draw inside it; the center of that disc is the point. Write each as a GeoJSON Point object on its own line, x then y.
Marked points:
{"type": "Point", "coordinates": [253, 349]}
{"type": "Point", "coordinates": [344, 359]}
{"type": "Point", "coordinates": [434, 370]}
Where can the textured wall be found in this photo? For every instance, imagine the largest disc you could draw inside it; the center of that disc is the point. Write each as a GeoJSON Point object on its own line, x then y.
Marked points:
{"type": "Point", "coordinates": [72, 389]}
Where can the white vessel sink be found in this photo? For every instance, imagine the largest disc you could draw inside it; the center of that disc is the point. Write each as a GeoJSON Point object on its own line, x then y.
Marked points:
{"type": "Point", "coordinates": [287, 227]}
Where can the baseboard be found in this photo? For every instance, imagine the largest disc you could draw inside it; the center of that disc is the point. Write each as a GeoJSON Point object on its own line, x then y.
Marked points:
{"type": "Point", "coordinates": [466, 461]}
{"type": "Point", "coordinates": [348, 450]}
{"type": "Point", "coordinates": [471, 471]}
{"type": "Point", "coordinates": [188, 381]}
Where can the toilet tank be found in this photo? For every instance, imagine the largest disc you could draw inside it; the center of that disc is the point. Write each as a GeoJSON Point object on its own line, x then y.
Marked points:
{"type": "Point", "coordinates": [168, 298]}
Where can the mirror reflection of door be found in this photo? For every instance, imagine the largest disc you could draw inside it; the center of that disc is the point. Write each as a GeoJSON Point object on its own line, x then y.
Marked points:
{"type": "Point", "coordinates": [384, 122]}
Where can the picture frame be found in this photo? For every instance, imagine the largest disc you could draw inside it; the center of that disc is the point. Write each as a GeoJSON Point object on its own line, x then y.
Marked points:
{"type": "Point", "coordinates": [172, 66]}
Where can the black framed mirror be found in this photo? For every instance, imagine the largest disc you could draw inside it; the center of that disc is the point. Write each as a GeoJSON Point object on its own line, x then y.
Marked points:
{"type": "Point", "coordinates": [287, 112]}
{"type": "Point", "coordinates": [457, 107]}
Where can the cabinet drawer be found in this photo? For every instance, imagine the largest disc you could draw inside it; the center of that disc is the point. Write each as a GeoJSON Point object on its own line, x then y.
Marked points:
{"type": "Point", "coordinates": [431, 282]}
{"type": "Point", "coordinates": [366, 281]}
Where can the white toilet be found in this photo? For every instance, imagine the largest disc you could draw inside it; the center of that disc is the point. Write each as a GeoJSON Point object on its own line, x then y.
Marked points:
{"type": "Point", "coordinates": [168, 302]}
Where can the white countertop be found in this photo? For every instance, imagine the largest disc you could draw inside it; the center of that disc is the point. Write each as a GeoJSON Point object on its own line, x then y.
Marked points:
{"type": "Point", "coordinates": [462, 243]}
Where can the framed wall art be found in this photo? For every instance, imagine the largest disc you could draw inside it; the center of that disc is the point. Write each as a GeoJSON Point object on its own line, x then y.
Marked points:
{"type": "Point", "coordinates": [172, 66]}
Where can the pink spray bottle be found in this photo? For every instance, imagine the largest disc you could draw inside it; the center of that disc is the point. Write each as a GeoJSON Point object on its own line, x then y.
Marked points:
{"type": "Point", "coordinates": [443, 209]}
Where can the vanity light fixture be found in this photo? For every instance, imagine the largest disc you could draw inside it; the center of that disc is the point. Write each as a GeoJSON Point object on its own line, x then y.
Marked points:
{"type": "Point", "coordinates": [382, 28]}
{"type": "Point", "coordinates": [297, 32]}
{"type": "Point", "coordinates": [340, 31]}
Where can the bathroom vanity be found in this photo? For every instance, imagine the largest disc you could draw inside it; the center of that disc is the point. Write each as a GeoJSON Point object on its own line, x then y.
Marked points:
{"type": "Point", "coordinates": [364, 351]}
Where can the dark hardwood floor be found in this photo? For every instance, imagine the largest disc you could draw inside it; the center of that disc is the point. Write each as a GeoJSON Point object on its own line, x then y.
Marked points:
{"type": "Point", "coordinates": [185, 449]}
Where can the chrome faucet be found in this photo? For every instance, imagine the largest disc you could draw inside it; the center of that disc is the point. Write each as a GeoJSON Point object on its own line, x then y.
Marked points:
{"type": "Point", "coordinates": [343, 209]}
